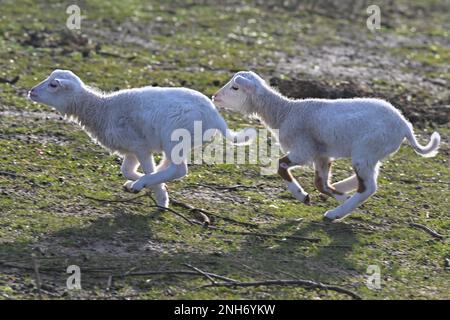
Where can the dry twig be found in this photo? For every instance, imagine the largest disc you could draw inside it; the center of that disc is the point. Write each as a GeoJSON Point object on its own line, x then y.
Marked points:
{"type": "Point", "coordinates": [201, 272]}
{"type": "Point", "coordinates": [430, 231]}
{"type": "Point", "coordinates": [262, 234]}
{"type": "Point", "coordinates": [215, 215]}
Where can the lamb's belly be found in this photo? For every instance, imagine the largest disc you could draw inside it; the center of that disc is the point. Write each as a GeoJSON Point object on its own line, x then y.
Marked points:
{"type": "Point", "coordinates": [135, 146]}
{"type": "Point", "coordinates": [336, 151]}
{"type": "Point", "coordinates": [115, 147]}
{"type": "Point", "coordinates": [336, 154]}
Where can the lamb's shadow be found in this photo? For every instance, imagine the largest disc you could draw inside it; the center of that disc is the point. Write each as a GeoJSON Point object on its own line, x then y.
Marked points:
{"type": "Point", "coordinates": [323, 261]}
{"type": "Point", "coordinates": [124, 241]}
{"type": "Point", "coordinates": [109, 242]}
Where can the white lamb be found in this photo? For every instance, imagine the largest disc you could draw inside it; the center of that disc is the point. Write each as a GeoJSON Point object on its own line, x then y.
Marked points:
{"type": "Point", "coordinates": [320, 131]}
{"type": "Point", "coordinates": [135, 123]}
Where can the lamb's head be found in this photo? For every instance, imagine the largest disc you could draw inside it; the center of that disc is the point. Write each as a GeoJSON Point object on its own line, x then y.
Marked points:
{"type": "Point", "coordinates": [59, 90]}
{"type": "Point", "coordinates": [236, 94]}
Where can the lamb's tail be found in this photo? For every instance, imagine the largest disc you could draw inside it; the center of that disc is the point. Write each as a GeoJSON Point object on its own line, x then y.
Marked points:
{"type": "Point", "coordinates": [240, 138]}
{"type": "Point", "coordinates": [428, 151]}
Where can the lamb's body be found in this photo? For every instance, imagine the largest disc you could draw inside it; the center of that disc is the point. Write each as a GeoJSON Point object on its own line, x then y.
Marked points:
{"type": "Point", "coordinates": [318, 131]}
{"type": "Point", "coordinates": [136, 123]}
{"type": "Point", "coordinates": [144, 118]}
{"type": "Point", "coordinates": [341, 128]}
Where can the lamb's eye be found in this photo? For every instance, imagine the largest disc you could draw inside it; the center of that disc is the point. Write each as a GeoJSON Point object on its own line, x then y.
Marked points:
{"type": "Point", "coordinates": [234, 88]}
{"type": "Point", "coordinates": [53, 85]}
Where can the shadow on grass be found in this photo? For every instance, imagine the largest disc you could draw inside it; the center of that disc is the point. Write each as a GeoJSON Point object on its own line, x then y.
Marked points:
{"type": "Point", "coordinates": [125, 242]}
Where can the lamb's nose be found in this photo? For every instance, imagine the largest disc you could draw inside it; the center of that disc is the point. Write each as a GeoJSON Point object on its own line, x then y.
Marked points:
{"type": "Point", "coordinates": [32, 93]}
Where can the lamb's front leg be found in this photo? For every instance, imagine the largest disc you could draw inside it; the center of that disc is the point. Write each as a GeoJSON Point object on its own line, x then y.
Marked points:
{"type": "Point", "coordinates": [148, 166]}
{"type": "Point", "coordinates": [284, 164]}
{"type": "Point", "coordinates": [346, 185]}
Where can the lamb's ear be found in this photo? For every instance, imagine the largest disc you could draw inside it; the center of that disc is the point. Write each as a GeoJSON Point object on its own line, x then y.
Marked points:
{"type": "Point", "coordinates": [244, 83]}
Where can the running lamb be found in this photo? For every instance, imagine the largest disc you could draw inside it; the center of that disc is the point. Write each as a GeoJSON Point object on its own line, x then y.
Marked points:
{"type": "Point", "coordinates": [135, 123]}
{"type": "Point", "coordinates": [319, 131]}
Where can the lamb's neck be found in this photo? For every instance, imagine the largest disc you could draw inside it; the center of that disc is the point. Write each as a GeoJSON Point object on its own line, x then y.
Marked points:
{"type": "Point", "coordinates": [271, 107]}
{"type": "Point", "coordinates": [88, 110]}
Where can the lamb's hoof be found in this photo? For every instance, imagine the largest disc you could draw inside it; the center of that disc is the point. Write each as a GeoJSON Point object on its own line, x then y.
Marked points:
{"type": "Point", "coordinates": [307, 200]}
{"type": "Point", "coordinates": [161, 196]}
{"type": "Point", "coordinates": [323, 197]}
{"type": "Point", "coordinates": [161, 208]}
{"type": "Point", "coordinates": [130, 186]}
{"type": "Point", "coordinates": [327, 219]}
{"type": "Point", "coordinates": [127, 186]}
{"type": "Point", "coordinates": [162, 203]}
{"type": "Point", "coordinates": [331, 216]}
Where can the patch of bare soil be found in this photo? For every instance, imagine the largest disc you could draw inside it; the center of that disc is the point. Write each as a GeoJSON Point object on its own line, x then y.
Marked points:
{"type": "Point", "coordinates": [200, 193]}
{"type": "Point", "coordinates": [38, 118]}
{"type": "Point", "coordinates": [63, 40]}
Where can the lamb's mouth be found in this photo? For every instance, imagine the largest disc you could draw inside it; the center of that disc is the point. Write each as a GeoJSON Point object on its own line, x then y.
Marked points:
{"type": "Point", "coordinates": [32, 96]}
{"type": "Point", "coordinates": [217, 102]}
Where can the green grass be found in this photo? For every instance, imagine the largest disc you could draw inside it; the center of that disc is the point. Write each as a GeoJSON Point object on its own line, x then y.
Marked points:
{"type": "Point", "coordinates": [45, 209]}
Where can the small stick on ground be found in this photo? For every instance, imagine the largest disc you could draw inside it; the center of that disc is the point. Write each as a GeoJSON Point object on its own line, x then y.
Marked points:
{"type": "Point", "coordinates": [170, 210]}
{"type": "Point", "coordinates": [174, 272]}
{"type": "Point", "coordinates": [201, 272]}
{"type": "Point", "coordinates": [189, 207]}
{"type": "Point", "coordinates": [303, 283]}
{"type": "Point", "coordinates": [201, 212]}
{"type": "Point", "coordinates": [430, 231]}
{"type": "Point", "coordinates": [263, 234]}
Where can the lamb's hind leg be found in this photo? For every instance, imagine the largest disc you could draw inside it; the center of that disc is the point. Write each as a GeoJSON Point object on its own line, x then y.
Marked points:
{"type": "Point", "coordinates": [322, 168]}
{"type": "Point", "coordinates": [160, 190]}
{"type": "Point", "coordinates": [367, 186]}
{"type": "Point", "coordinates": [171, 172]}
{"type": "Point", "coordinates": [284, 164]}
{"type": "Point", "coordinates": [347, 185]}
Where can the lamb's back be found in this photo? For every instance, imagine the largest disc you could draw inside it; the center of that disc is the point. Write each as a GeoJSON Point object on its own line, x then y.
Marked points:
{"type": "Point", "coordinates": [347, 115]}
{"type": "Point", "coordinates": [339, 123]}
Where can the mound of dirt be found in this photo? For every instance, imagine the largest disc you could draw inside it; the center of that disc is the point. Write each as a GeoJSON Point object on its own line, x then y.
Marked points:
{"type": "Point", "coordinates": [301, 89]}
{"type": "Point", "coordinates": [65, 40]}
